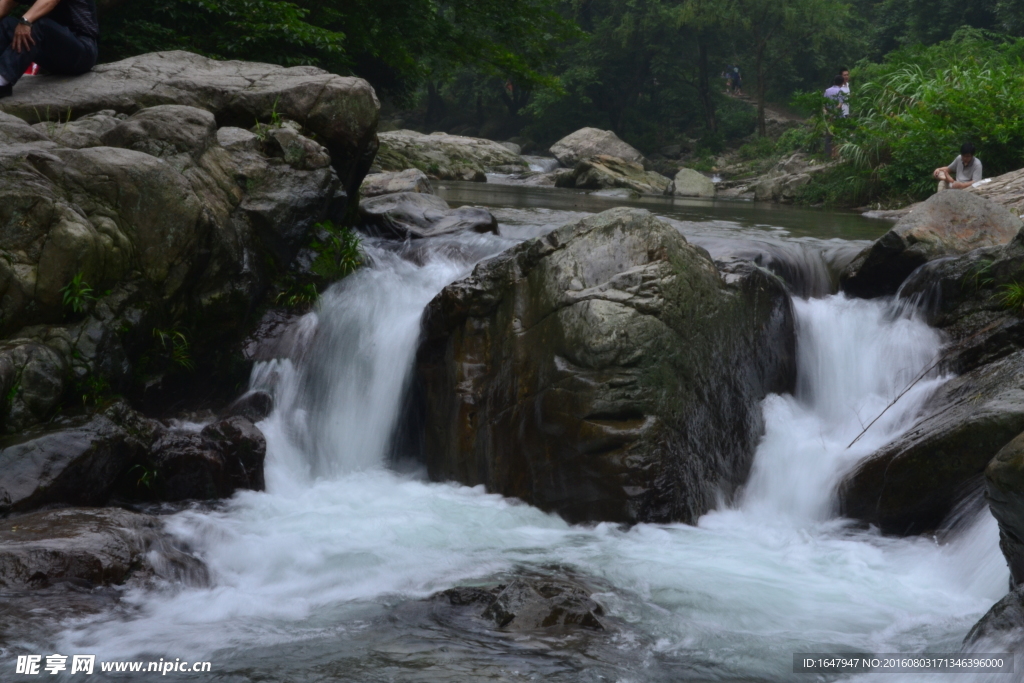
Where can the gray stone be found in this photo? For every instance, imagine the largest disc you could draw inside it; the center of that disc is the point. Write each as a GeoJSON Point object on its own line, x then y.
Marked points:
{"type": "Point", "coordinates": [1005, 493]}
{"type": "Point", "coordinates": [448, 157]}
{"type": "Point", "coordinates": [605, 172]}
{"type": "Point", "coordinates": [604, 372]}
{"type": "Point", "coordinates": [165, 131]}
{"type": "Point", "coordinates": [947, 224]}
{"type": "Point", "coordinates": [97, 546]}
{"type": "Point", "coordinates": [342, 112]}
{"type": "Point", "coordinates": [416, 215]}
{"type": "Point", "coordinates": [1003, 623]}
{"type": "Point", "coordinates": [592, 142]}
{"type": "Point", "coordinates": [529, 605]}
{"type": "Point", "coordinates": [690, 183]}
{"type": "Point", "coordinates": [87, 131]}
{"type": "Point", "coordinates": [237, 139]}
{"type": "Point", "coordinates": [411, 180]}
{"type": "Point", "coordinates": [911, 485]}
{"type": "Point", "coordinates": [76, 463]}
{"type": "Point", "coordinates": [297, 150]}
{"type": "Point", "coordinates": [512, 147]}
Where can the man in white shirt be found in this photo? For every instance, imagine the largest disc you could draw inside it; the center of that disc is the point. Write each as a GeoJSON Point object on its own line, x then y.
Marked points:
{"type": "Point", "coordinates": [962, 173]}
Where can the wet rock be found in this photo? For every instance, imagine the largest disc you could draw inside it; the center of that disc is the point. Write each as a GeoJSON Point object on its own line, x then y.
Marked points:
{"type": "Point", "coordinates": [76, 463]}
{"type": "Point", "coordinates": [690, 183]}
{"type": "Point", "coordinates": [592, 142]}
{"type": "Point", "coordinates": [605, 172]}
{"type": "Point", "coordinates": [783, 189]}
{"type": "Point", "coordinates": [185, 465]}
{"type": "Point", "coordinates": [530, 604]}
{"type": "Point", "coordinates": [911, 485]}
{"type": "Point", "coordinates": [512, 147]}
{"type": "Point", "coordinates": [414, 214]}
{"type": "Point", "coordinates": [1004, 621]}
{"type": "Point", "coordinates": [947, 224]}
{"type": "Point", "coordinates": [525, 605]}
{"type": "Point", "coordinates": [411, 180]}
{"type": "Point", "coordinates": [1005, 493]}
{"type": "Point", "coordinates": [98, 546]}
{"type": "Point", "coordinates": [253, 406]}
{"type": "Point", "coordinates": [604, 371]}
{"type": "Point", "coordinates": [448, 157]}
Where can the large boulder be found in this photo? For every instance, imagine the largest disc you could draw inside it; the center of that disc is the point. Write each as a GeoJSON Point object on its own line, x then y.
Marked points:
{"type": "Point", "coordinates": [690, 183]}
{"type": "Point", "coordinates": [592, 142]}
{"type": "Point", "coordinates": [448, 157]}
{"type": "Point", "coordinates": [411, 180]}
{"type": "Point", "coordinates": [1006, 189]}
{"type": "Point", "coordinates": [97, 546]}
{"type": "Point", "coordinates": [604, 371]}
{"type": "Point", "coordinates": [947, 224]}
{"type": "Point", "coordinates": [341, 112]}
{"type": "Point", "coordinates": [170, 223]}
{"type": "Point", "coordinates": [76, 463]}
{"type": "Point", "coordinates": [605, 172]}
{"type": "Point", "coordinates": [1005, 493]}
{"type": "Point", "coordinates": [416, 215]}
{"type": "Point", "coordinates": [911, 485]}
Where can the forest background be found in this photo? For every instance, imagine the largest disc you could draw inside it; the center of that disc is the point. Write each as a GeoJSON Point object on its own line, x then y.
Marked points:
{"type": "Point", "coordinates": [926, 74]}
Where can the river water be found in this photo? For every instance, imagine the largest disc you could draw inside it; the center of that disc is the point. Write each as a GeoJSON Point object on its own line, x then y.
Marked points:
{"type": "Point", "coordinates": [323, 577]}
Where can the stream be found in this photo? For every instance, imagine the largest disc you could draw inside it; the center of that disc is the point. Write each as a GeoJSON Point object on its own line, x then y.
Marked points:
{"type": "Point", "coordinates": [323, 576]}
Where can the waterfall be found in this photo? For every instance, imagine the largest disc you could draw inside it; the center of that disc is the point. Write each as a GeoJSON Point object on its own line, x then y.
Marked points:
{"type": "Point", "coordinates": [324, 575]}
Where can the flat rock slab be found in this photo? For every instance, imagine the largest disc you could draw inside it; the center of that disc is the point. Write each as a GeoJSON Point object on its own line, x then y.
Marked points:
{"type": "Point", "coordinates": [606, 172]}
{"type": "Point", "coordinates": [411, 180]}
{"type": "Point", "coordinates": [94, 545]}
{"type": "Point", "coordinates": [343, 112]}
{"type": "Point", "coordinates": [416, 215]}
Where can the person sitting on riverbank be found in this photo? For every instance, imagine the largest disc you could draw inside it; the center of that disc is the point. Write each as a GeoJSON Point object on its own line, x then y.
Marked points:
{"type": "Point", "coordinates": [962, 173]}
{"type": "Point", "coordinates": [58, 35]}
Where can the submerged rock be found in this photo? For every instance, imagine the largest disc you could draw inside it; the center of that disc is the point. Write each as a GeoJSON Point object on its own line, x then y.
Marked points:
{"type": "Point", "coordinates": [411, 180]}
{"type": "Point", "coordinates": [947, 224]}
{"type": "Point", "coordinates": [591, 142]}
{"type": "Point", "coordinates": [605, 172]}
{"type": "Point", "coordinates": [448, 157]}
{"type": "Point", "coordinates": [99, 546]}
{"type": "Point", "coordinates": [414, 214]}
{"type": "Point", "coordinates": [690, 183]}
{"type": "Point", "coordinates": [604, 371]}
{"type": "Point", "coordinates": [531, 604]}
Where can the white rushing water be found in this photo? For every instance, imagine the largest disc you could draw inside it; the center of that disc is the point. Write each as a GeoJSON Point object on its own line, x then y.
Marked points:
{"type": "Point", "coordinates": [310, 578]}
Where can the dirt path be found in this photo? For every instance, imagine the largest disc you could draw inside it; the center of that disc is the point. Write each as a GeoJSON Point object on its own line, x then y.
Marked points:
{"type": "Point", "coordinates": [772, 112]}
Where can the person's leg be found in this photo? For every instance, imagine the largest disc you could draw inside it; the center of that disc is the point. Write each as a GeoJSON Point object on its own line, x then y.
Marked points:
{"type": "Point", "coordinates": [12, 64]}
{"type": "Point", "coordinates": [61, 51]}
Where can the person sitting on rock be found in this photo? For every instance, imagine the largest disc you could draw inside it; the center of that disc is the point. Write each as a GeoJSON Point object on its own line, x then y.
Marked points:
{"type": "Point", "coordinates": [58, 35]}
{"type": "Point", "coordinates": [963, 172]}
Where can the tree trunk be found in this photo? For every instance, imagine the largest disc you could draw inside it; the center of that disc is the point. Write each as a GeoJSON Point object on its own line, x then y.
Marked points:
{"type": "Point", "coordinates": [704, 88]}
{"type": "Point", "coordinates": [762, 130]}
{"type": "Point", "coordinates": [435, 104]}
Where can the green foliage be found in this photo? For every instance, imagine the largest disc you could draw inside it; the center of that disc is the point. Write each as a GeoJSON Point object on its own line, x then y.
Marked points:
{"type": "Point", "coordinates": [77, 294]}
{"type": "Point", "coordinates": [92, 389]}
{"type": "Point", "coordinates": [147, 475]}
{"type": "Point", "coordinates": [979, 276]}
{"type": "Point", "coordinates": [913, 111]}
{"type": "Point", "coordinates": [173, 344]}
{"type": "Point", "coordinates": [298, 296]}
{"type": "Point", "coordinates": [1011, 297]}
{"type": "Point", "coordinates": [338, 254]}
